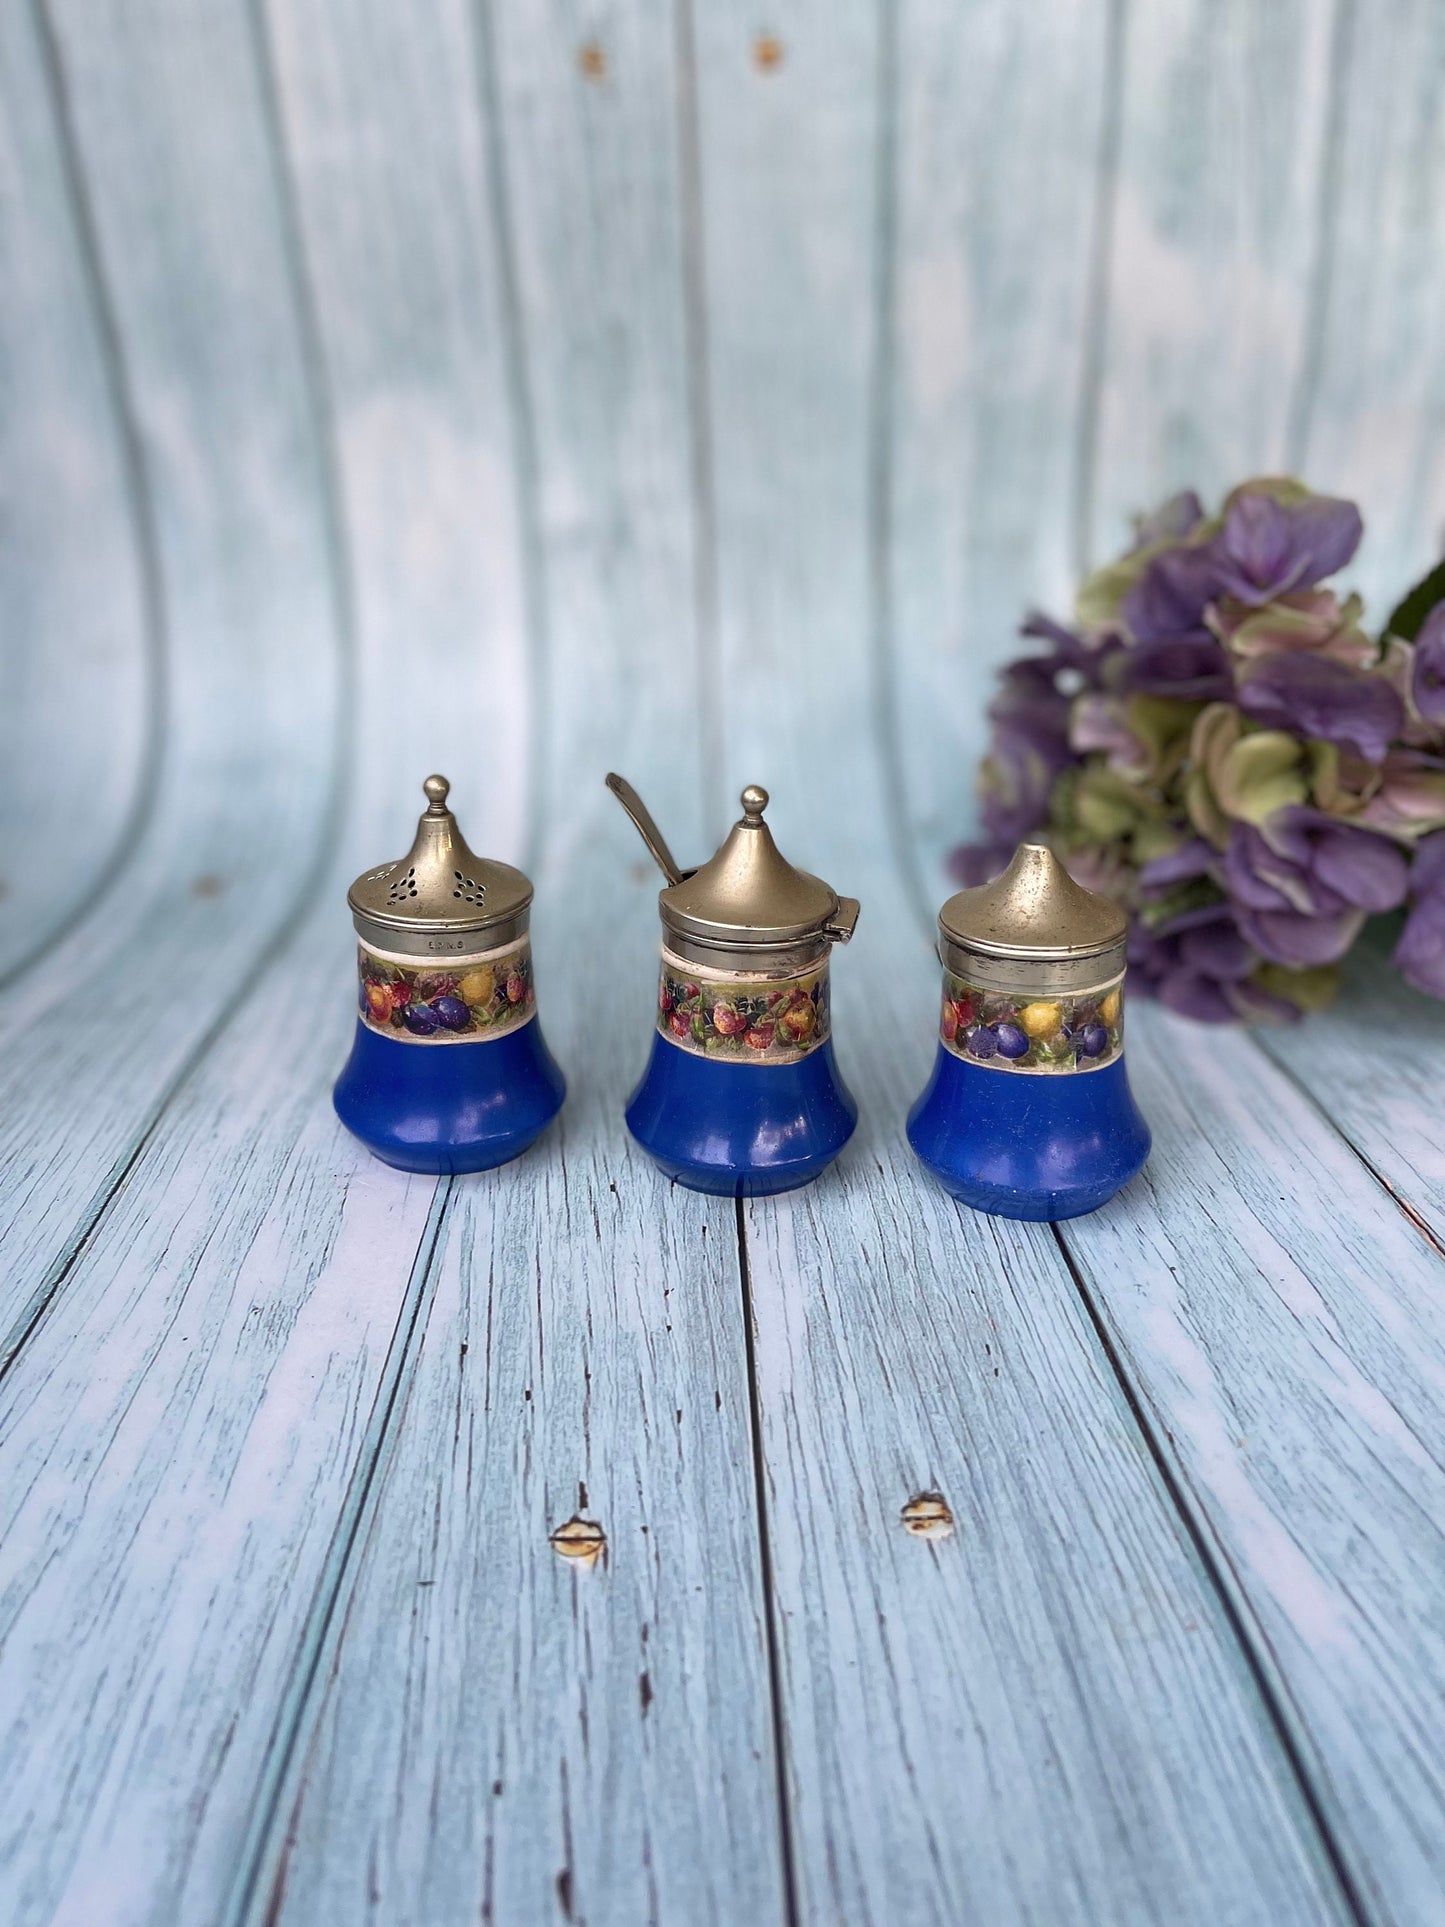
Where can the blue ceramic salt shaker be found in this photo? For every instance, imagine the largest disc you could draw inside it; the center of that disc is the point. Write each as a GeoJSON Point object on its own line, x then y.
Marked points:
{"type": "Point", "coordinates": [741, 1095]}
{"type": "Point", "coordinates": [1028, 1113]}
{"type": "Point", "coordinates": [449, 1070]}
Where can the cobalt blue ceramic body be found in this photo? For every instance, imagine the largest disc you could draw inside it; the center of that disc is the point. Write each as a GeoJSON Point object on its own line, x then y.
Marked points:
{"type": "Point", "coordinates": [1029, 1146]}
{"type": "Point", "coordinates": [1028, 1113]}
{"type": "Point", "coordinates": [448, 1071]}
{"type": "Point", "coordinates": [741, 1096]}
{"type": "Point", "coordinates": [449, 1107]}
{"type": "Point", "coordinates": [738, 1129]}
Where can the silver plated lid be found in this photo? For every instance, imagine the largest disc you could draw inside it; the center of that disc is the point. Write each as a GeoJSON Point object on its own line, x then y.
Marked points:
{"type": "Point", "coordinates": [1034, 918]}
{"type": "Point", "coordinates": [440, 896]}
{"type": "Point", "coordinates": [747, 896]}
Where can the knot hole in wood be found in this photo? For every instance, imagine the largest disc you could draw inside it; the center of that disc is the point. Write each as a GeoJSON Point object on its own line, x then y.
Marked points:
{"type": "Point", "coordinates": [580, 1539]}
{"type": "Point", "coordinates": [927, 1516]}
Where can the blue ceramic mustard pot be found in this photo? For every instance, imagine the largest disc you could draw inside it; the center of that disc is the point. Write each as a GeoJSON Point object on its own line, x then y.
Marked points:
{"type": "Point", "coordinates": [1028, 1113]}
{"type": "Point", "coordinates": [449, 1070]}
{"type": "Point", "coordinates": [741, 1095]}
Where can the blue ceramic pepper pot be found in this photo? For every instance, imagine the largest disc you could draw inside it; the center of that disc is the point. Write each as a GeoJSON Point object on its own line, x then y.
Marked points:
{"type": "Point", "coordinates": [449, 1071]}
{"type": "Point", "coordinates": [741, 1095]}
{"type": "Point", "coordinates": [1028, 1113]}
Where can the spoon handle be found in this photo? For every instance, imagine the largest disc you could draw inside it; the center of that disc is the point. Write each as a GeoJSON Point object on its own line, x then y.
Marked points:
{"type": "Point", "coordinates": [652, 836]}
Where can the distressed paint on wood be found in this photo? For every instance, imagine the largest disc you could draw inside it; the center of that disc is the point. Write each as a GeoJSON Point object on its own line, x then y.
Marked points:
{"type": "Point", "coordinates": [410, 315]}
{"type": "Point", "coordinates": [1214, 240]}
{"type": "Point", "coordinates": [80, 638]}
{"type": "Point", "coordinates": [253, 1290]}
{"type": "Point", "coordinates": [1280, 1318]}
{"type": "Point", "coordinates": [1375, 424]}
{"type": "Point", "coordinates": [972, 1725]}
{"type": "Point", "coordinates": [239, 1160]}
{"type": "Point", "coordinates": [98, 1037]}
{"type": "Point", "coordinates": [557, 1740]}
{"type": "Point", "coordinates": [1375, 1065]}
{"type": "Point", "coordinates": [985, 257]}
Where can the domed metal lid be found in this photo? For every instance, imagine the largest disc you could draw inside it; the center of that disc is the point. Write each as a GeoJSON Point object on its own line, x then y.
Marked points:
{"type": "Point", "coordinates": [1034, 910]}
{"type": "Point", "coordinates": [748, 894]}
{"type": "Point", "coordinates": [440, 884]}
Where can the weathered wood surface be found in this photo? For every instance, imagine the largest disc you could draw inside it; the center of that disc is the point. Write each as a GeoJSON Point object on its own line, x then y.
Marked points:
{"type": "Point", "coordinates": [702, 396]}
{"type": "Point", "coordinates": [559, 1742]}
{"type": "Point", "coordinates": [111, 1019]}
{"type": "Point", "coordinates": [76, 543]}
{"type": "Point", "coordinates": [1281, 1319]}
{"type": "Point", "coordinates": [902, 1344]}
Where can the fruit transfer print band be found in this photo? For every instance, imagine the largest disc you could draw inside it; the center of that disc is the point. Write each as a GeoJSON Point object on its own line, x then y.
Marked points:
{"type": "Point", "coordinates": [741, 1017]}
{"type": "Point", "coordinates": [471, 1001]}
{"type": "Point", "coordinates": [1045, 1035]}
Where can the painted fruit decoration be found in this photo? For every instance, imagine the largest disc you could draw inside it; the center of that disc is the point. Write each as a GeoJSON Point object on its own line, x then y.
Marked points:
{"type": "Point", "coordinates": [477, 1000]}
{"type": "Point", "coordinates": [1042, 1034]}
{"type": "Point", "coordinates": [749, 1020]}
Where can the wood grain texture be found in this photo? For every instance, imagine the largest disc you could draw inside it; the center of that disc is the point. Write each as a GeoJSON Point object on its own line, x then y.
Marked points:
{"type": "Point", "coordinates": [1215, 238]}
{"type": "Point", "coordinates": [985, 253]}
{"type": "Point", "coordinates": [528, 390]}
{"type": "Point", "coordinates": [189, 1435]}
{"type": "Point", "coordinates": [973, 1726]}
{"type": "Point", "coordinates": [97, 1037]}
{"type": "Point", "coordinates": [1280, 1317]}
{"type": "Point", "coordinates": [1372, 425]}
{"type": "Point", "coordinates": [504, 1735]}
{"type": "Point", "coordinates": [80, 640]}
{"type": "Point", "coordinates": [1373, 1063]}
{"type": "Point", "coordinates": [178, 1440]}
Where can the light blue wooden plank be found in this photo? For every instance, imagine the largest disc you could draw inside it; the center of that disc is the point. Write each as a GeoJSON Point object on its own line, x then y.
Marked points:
{"type": "Point", "coordinates": [1372, 422]}
{"type": "Point", "coordinates": [525, 1739]}
{"type": "Point", "coordinates": [1375, 1064]}
{"type": "Point", "coordinates": [170, 122]}
{"type": "Point", "coordinates": [1281, 1319]}
{"type": "Point", "coordinates": [1046, 1716]}
{"type": "Point", "coordinates": [985, 265]}
{"type": "Point", "coordinates": [1215, 237]}
{"type": "Point", "coordinates": [81, 630]}
{"type": "Point", "coordinates": [409, 309]}
{"type": "Point", "coordinates": [178, 1440]}
{"type": "Point", "coordinates": [219, 1376]}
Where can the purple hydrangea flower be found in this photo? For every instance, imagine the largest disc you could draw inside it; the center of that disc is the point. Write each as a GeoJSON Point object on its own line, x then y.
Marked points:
{"type": "Point", "coordinates": [1170, 522]}
{"type": "Point", "coordinates": [1420, 953]}
{"type": "Point", "coordinates": [1192, 667]}
{"type": "Point", "coordinates": [1268, 548]}
{"type": "Point", "coordinates": [1198, 964]}
{"type": "Point", "coordinates": [1169, 599]}
{"type": "Point", "coordinates": [1315, 696]}
{"type": "Point", "coordinates": [1030, 746]}
{"type": "Point", "coordinates": [1427, 670]}
{"type": "Point", "coordinates": [1194, 858]}
{"type": "Point", "coordinates": [1303, 884]}
{"type": "Point", "coordinates": [1227, 702]}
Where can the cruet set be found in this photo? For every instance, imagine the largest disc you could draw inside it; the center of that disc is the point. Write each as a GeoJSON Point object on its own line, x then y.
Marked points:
{"type": "Point", "coordinates": [1027, 1112]}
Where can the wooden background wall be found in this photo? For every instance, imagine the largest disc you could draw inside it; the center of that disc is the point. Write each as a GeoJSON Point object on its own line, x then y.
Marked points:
{"type": "Point", "coordinates": [329, 328]}
{"type": "Point", "coordinates": [527, 387]}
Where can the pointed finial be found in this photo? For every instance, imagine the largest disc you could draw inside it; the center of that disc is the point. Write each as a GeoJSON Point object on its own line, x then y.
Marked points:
{"type": "Point", "coordinates": [437, 788]}
{"type": "Point", "coordinates": [754, 800]}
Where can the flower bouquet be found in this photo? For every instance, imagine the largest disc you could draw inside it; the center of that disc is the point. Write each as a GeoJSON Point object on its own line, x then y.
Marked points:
{"type": "Point", "coordinates": [1218, 743]}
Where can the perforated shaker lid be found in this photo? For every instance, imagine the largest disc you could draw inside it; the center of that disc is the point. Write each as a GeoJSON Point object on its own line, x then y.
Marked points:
{"type": "Point", "coordinates": [440, 886]}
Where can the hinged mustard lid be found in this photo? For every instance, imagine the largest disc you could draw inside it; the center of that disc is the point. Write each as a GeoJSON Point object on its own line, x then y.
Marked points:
{"type": "Point", "coordinates": [748, 896]}
{"type": "Point", "coordinates": [1036, 914]}
{"type": "Point", "coordinates": [440, 889]}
